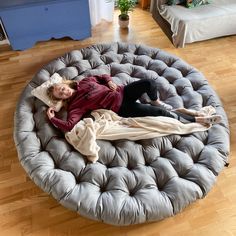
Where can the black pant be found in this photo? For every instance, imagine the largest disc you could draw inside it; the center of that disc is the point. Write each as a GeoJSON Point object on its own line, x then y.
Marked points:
{"type": "Point", "coordinates": [131, 108]}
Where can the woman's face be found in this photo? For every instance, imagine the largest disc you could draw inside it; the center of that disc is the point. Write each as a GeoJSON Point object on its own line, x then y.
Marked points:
{"type": "Point", "coordinates": [62, 91]}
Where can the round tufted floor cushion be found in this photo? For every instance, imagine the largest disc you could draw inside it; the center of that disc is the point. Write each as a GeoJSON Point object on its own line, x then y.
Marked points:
{"type": "Point", "coordinates": [132, 182]}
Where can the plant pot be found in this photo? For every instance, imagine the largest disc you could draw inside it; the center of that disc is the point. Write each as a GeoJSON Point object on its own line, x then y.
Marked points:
{"type": "Point", "coordinates": [124, 22]}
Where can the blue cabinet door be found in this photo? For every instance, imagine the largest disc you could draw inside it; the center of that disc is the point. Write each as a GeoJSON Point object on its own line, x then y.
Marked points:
{"type": "Point", "coordinates": [36, 22]}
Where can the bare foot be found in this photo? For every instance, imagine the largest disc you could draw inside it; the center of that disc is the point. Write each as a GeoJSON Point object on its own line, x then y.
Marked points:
{"type": "Point", "coordinates": [205, 111]}
{"type": "Point", "coordinates": [187, 111]}
{"type": "Point", "coordinates": [214, 119]}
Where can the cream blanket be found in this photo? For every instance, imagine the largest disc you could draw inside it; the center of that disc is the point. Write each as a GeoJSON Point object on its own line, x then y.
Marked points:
{"type": "Point", "coordinates": [109, 126]}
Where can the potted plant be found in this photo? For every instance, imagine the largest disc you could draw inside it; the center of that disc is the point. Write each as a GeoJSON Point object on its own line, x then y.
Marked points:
{"type": "Point", "coordinates": [125, 6]}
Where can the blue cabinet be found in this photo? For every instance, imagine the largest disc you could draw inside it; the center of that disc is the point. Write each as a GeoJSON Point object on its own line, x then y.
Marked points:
{"type": "Point", "coordinates": [27, 22]}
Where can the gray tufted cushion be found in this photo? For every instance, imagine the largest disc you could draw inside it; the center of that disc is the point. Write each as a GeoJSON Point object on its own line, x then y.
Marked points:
{"type": "Point", "coordinates": [132, 182]}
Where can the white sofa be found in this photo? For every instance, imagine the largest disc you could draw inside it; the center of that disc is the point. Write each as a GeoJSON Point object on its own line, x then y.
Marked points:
{"type": "Point", "coordinates": [186, 25]}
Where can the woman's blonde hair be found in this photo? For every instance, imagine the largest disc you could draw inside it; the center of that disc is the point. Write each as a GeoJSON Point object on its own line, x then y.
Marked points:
{"type": "Point", "coordinates": [72, 84]}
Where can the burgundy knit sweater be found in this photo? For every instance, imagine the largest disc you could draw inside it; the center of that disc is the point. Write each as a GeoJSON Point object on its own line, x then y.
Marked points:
{"type": "Point", "coordinates": [92, 93]}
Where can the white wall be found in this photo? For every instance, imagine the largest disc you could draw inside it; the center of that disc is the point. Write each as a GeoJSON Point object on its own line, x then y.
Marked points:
{"type": "Point", "coordinates": [101, 9]}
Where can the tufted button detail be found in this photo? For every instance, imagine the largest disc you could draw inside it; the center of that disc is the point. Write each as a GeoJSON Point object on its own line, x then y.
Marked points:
{"type": "Point", "coordinates": [103, 189]}
{"type": "Point", "coordinates": [131, 193]}
{"type": "Point", "coordinates": [130, 166]}
{"type": "Point", "coordinates": [147, 164]}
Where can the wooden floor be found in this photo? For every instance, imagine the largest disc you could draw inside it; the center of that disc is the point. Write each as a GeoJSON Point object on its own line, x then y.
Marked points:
{"type": "Point", "coordinates": [25, 210]}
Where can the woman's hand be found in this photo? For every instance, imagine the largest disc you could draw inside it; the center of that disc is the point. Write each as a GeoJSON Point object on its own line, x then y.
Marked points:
{"type": "Point", "coordinates": [51, 112]}
{"type": "Point", "coordinates": [112, 85]}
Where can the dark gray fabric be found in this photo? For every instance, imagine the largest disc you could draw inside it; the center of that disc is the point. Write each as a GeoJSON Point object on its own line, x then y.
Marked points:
{"type": "Point", "coordinates": [132, 182]}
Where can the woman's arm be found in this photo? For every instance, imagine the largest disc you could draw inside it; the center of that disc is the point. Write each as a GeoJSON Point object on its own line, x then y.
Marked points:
{"type": "Point", "coordinates": [72, 118]}
{"type": "Point", "coordinates": [112, 85]}
{"type": "Point", "coordinates": [103, 79]}
{"type": "Point", "coordinates": [51, 113]}
{"type": "Point", "coordinates": [106, 79]}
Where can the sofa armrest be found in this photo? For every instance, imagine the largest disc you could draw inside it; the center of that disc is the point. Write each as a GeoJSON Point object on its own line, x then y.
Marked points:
{"type": "Point", "coordinates": [156, 4]}
{"type": "Point", "coordinates": [161, 2]}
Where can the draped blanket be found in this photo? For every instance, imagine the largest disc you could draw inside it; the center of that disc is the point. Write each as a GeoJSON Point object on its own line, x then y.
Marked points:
{"type": "Point", "coordinates": [107, 125]}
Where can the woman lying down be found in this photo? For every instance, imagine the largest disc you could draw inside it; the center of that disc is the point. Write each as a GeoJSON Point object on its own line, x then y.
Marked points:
{"type": "Point", "coordinates": [100, 92]}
